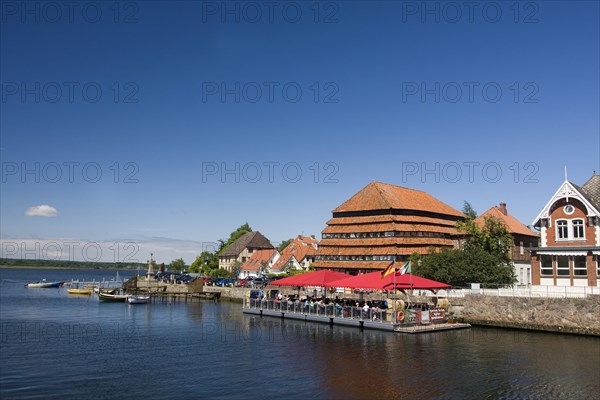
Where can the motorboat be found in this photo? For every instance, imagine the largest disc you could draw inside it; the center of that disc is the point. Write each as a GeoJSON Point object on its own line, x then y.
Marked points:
{"type": "Point", "coordinates": [138, 299]}
{"type": "Point", "coordinates": [44, 284]}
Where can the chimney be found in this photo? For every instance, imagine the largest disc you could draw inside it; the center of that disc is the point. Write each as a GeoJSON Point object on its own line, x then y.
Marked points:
{"type": "Point", "coordinates": [503, 208]}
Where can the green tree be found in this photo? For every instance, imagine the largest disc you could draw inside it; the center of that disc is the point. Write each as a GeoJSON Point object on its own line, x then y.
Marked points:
{"type": "Point", "coordinates": [177, 265]}
{"type": "Point", "coordinates": [484, 256]}
{"type": "Point", "coordinates": [235, 235]}
{"type": "Point", "coordinates": [219, 273]}
{"type": "Point", "coordinates": [284, 244]}
{"type": "Point", "coordinates": [492, 237]}
{"type": "Point", "coordinates": [468, 211]}
{"type": "Point", "coordinates": [461, 268]}
{"type": "Point", "coordinates": [263, 269]}
{"type": "Point", "coordinates": [236, 267]}
{"type": "Point", "coordinates": [205, 262]}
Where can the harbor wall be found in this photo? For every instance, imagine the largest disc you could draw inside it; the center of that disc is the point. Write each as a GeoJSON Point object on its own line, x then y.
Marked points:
{"type": "Point", "coordinates": [566, 315]}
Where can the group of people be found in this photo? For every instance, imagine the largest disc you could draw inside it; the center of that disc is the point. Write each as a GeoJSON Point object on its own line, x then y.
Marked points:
{"type": "Point", "coordinates": [371, 309]}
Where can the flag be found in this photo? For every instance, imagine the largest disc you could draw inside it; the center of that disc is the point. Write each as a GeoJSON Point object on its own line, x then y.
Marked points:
{"type": "Point", "coordinates": [405, 269]}
{"type": "Point", "coordinates": [389, 269]}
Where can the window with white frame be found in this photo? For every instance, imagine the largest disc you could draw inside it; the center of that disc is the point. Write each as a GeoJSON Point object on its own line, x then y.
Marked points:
{"type": "Point", "coordinates": [562, 266]}
{"type": "Point", "coordinates": [562, 229]}
{"type": "Point", "coordinates": [578, 229]}
{"type": "Point", "coordinates": [579, 266]}
{"type": "Point", "coordinates": [597, 266]}
{"type": "Point", "coordinates": [546, 265]}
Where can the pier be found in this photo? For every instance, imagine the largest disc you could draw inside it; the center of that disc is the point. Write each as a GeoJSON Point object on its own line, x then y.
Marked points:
{"type": "Point", "coordinates": [412, 321]}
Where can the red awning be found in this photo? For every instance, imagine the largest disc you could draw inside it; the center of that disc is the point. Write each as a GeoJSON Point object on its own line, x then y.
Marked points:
{"type": "Point", "coordinates": [373, 280]}
{"type": "Point", "coordinates": [315, 278]}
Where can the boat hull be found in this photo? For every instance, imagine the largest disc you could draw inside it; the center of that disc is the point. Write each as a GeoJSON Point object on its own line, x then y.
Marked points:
{"type": "Point", "coordinates": [44, 285]}
{"type": "Point", "coordinates": [81, 292]}
{"type": "Point", "coordinates": [112, 297]}
{"type": "Point", "coordinates": [138, 299]}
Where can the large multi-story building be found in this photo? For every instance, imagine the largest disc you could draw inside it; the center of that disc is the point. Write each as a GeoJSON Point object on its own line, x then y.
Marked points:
{"type": "Point", "coordinates": [383, 222]}
{"type": "Point", "coordinates": [570, 237]}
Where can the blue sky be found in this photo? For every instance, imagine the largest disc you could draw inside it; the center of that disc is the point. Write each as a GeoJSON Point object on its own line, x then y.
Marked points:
{"type": "Point", "coordinates": [161, 97]}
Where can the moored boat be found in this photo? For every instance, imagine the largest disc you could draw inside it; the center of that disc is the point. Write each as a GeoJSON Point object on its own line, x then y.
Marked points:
{"type": "Point", "coordinates": [105, 296]}
{"type": "Point", "coordinates": [44, 284]}
{"type": "Point", "coordinates": [138, 299]}
{"type": "Point", "coordinates": [83, 292]}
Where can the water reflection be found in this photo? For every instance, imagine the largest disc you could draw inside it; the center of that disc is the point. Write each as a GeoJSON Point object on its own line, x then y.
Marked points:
{"type": "Point", "coordinates": [52, 343]}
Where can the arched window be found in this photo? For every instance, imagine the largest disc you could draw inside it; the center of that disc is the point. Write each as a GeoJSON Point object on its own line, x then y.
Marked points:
{"type": "Point", "coordinates": [562, 231]}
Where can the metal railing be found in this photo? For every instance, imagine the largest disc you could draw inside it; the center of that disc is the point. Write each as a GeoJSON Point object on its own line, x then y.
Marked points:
{"type": "Point", "coordinates": [333, 310]}
{"type": "Point", "coordinates": [528, 291]}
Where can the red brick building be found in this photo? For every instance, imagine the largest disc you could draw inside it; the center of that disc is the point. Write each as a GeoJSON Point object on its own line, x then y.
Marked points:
{"type": "Point", "coordinates": [382, 222]}
{"type": "Point", "coordinates": [570, 237]}
{"type": "Point", "coordinates": [524, 241]}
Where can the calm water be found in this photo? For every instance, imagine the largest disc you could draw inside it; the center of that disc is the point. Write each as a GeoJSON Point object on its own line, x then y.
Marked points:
{"type": "Point", "coordinates": [58, 346]}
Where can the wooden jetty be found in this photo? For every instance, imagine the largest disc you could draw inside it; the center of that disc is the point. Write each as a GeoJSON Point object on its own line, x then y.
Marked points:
{"type": "Point", "coordinates": [256, 308]}
{"type": "Point", "coordinates": [163, 292]}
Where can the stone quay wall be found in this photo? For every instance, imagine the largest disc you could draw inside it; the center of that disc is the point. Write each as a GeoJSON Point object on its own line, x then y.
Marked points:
{"type": "Point", "coordinates": [567, 315]}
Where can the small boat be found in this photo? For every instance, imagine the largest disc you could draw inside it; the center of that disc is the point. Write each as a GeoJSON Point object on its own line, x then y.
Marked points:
{"type": "Point", "coordinates": [44, 284]}
{"type": "Point", "coordinates": [83, 292]}
{"type": "Point", "coordinates": [106, 296]}
{"type": "Point", "coordinates": [138, 299]}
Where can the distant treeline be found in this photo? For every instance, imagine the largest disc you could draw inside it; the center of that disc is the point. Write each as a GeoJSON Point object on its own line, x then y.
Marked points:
{"type": "Point", "coordinates": [13, 262]}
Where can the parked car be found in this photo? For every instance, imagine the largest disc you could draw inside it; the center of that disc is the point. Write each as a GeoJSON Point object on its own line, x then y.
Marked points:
{"type": "Point", "coordinates": [211, 281]}
{"type": "Point", "coordinates": [244, 283]}
{"type": "Point", "coordinates": [225, 282]}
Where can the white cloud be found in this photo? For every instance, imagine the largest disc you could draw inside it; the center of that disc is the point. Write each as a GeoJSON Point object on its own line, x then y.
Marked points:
{"type": "Point", "coordinates": [41, 211]}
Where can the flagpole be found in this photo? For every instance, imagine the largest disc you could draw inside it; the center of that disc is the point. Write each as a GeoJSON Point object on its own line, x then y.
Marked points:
{"type": "Point", "coordinates": [394, 269]}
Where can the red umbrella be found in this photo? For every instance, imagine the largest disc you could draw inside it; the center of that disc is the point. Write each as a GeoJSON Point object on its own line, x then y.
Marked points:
{"type": "Point", "coordinates": [408, 281]}
{"type": "Point", "coordinates": [315, 278]}
{"type": "Point", "coordinates": [373, 280]}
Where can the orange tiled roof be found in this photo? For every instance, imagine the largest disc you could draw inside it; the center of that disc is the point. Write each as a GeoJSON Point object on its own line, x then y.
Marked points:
{"type": "Point", "coordinates": [406, 219]}
{"type": "Point", "coordinates": [373, 251]}
{"type": "Point", "coordinates": [298, 248]}
{"type": "Point", "coordinates": [351, 264]}
{"type": "Point", "coordinates": [253, 262]}
{"type": "Point", "coordinates": [382, 196]}
{"type": "Point", "coordinates": [371, 242]}
{"type": "Point", "coordinates": [389, 227]}
{"type": "Point", "coordinates": [513, 225]}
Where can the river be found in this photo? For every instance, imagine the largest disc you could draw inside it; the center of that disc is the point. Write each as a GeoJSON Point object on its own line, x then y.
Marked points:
{"type": "Point", "coordinates": [54, 345]}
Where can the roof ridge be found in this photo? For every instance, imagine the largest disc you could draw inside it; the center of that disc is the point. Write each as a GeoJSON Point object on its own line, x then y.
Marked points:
{"type": "Point", "coordinates": [383, 196]}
